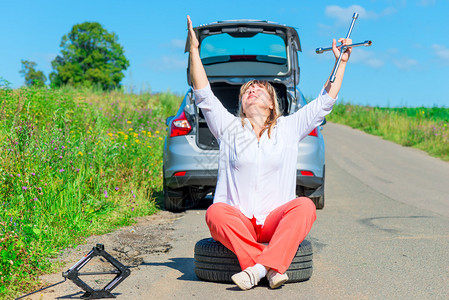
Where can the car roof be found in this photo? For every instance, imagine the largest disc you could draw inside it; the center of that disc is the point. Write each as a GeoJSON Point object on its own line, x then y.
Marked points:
{"type": "Point", "coordinates": [245, 26]}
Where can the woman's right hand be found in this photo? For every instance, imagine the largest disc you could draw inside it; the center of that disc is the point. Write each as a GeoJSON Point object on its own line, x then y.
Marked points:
{"type": "Point", "coordinates": [197, 72]}
{"type": "Point", "coordinates": [192, 36]}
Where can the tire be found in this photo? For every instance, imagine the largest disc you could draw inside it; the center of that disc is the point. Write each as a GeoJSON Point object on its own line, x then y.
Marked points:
{"type": "Point", "coordinates": [214, 262]}
{"type": "Point", "coordinates": [319, 202]}
{"type": "Point", "coordinates": [174, 200]}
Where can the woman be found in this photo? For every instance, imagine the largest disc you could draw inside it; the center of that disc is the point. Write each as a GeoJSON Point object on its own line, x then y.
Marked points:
{"type": "Point", "coordinates": [255, 200]}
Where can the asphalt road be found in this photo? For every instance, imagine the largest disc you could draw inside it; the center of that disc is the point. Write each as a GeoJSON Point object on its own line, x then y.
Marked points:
{"type": "Point", "coordinates": [383, 234]}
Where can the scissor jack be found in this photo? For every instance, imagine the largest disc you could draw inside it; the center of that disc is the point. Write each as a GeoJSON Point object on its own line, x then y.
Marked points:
{"type": "Point", "coordinates": [121, 271]}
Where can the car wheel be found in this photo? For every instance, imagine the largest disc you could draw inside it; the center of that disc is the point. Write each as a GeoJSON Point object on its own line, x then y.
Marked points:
{"type": "Point", "coordinates": [174, 200]}
{"type": "Point", "coordinates": [214, 262]}
{"type": "Point", "coordinates": [319, 202]}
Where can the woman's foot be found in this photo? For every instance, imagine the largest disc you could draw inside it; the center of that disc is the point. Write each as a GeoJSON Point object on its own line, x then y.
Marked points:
{"type": "Point", "coordinates": [276, 279]}
{"type": "Point", "coordinates": [247, 278]}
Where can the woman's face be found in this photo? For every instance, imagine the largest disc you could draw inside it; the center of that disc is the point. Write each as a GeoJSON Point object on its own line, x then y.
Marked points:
{"type": "Point", "coordinates": [256, 99]}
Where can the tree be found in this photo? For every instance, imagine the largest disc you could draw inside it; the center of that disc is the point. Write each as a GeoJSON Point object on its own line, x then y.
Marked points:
{"type": "Point", "coordinates": [32, 76]}
{"type": "Point", "coordinates": [90, 56]}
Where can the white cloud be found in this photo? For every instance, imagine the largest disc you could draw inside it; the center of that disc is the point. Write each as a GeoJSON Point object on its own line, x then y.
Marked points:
{"type": "Point", "coordinates": [178, 44]}
{"type": "Point", "coordinates": [405, 63]}
{"type": "Point", "coordinates": [441, 52]}
{"type": "Point", "coordinates": [167, 63]}
{"type": "Point", "coordinates": [343, 15]}
{"type": "Point", "coordinates": [366, 58]}
{"type": "Point", "coordinates": [426, 2]}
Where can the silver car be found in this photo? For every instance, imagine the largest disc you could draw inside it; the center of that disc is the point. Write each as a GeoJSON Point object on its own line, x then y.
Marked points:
{"type": "Point", "coordinates": [234, 52]}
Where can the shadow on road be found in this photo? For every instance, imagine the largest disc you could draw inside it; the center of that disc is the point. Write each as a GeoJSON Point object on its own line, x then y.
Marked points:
{"type": "Point", "coordinates": [185, 265]}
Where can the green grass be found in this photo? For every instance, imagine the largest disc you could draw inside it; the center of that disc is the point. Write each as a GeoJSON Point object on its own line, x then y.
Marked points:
{"type": "Point", "coordinates": [423, 128]}
{"type": "Point", "coordinates": [73, 163]}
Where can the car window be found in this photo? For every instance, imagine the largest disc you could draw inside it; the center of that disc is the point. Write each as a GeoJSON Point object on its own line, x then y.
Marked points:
{"type": "Point", "coordinates": [223, 47]}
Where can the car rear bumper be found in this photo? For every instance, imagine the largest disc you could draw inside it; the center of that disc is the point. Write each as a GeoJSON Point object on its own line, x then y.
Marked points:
{"type": "Point", "coordinates": [193, 178]}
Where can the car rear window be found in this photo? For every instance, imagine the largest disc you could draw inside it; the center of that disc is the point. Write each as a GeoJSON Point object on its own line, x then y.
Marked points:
{"type": "Point", "coordinates": [262, 47]}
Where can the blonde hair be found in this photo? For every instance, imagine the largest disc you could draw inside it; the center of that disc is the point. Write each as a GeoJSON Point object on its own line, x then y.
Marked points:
{"type": "Point", "coordinates": [275, 113]}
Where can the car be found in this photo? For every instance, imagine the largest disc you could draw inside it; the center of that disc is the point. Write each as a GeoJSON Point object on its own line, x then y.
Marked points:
{"type": "Point", "coordinates": [234, 52]}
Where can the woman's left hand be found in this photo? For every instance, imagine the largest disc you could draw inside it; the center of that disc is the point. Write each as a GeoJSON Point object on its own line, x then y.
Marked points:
{"type": "Point", "coordinates": [336, 49]}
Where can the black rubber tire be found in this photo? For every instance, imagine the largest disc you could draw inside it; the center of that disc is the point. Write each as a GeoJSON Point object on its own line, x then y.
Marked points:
{"type": "Point", "coordinates": [319, 202]}
{"type": "Point", "coordinates": [174, 200]}
{"type": "Point", "coordinates": [214, 262]}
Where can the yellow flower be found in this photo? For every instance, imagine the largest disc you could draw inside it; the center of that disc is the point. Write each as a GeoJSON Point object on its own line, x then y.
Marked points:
{"type": "Point", "coordinates": [149, 146]}
{"type": "Point", "coordinates": [126, 137]}
{"type": "Point", "coordinates": [80, 153]}
{"type": "Point", "coordinates": [129, 122]}
{"type": "Point", "coordinates": [160, 138]}
{"type": "Point", "coordinates": [149, 133]}
{"type": "Point", "coordinates": [143, 131]}
{"type": "Point", "coordinates": [130, 129]}
{"type": "Point", "coordinates": [137, 141]}
{"type": "Point", "coordinates": [157, 131]}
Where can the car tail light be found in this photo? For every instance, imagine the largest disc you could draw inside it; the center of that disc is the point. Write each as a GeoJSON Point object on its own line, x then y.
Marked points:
{"type": "Point", "coordinates": [180, 126]}
{"type": "Point", "coordinates": [314, 132]}
{"type": "Point", "coordinates": [180, 173]}
{"type": "Point", "coordinates": [307, 173]}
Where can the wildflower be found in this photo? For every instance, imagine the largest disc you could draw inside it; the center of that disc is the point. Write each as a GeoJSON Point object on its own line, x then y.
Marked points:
{"type": "Point", "coordinates": [134, 196]}
{"type": "Point", "coordinates": [35, 199]}
{"type": "Point", "coordinates": [160, 138]}
{"type": "Point", "coordinates": [24, 188]}
{"type": "Point", "coordinates": [18, 175]}
{"type": "Point", "coordinates": [129, 122]}
{"type": "Point", "coordinates": [105, 194]}
{"type": "Point", "coordinates": [77, 170]}
{"type": "Point", "coordinates": [80, 153]}
{"type": "Point", "coordinates": [130, 129]}
{"type": "Point", "coordinates": [60, 156]}
{"type": "Point", "coordinates": [62, 147]}
{"type": "Point", "coordinates": [33, 174]}
{"type": "Point", "coordinates": [116, 188]}
{"type": "Point", "coordinates": [132, 209]}
{"type": "Point", "coordinates": [61, 170]}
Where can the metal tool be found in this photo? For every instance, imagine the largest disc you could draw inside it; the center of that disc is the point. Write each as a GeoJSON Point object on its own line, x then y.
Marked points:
{"type": "Point", "coordinates": [121, 271]}
{"type": "Point", "coordinates": [343, 48]}
{"type": "Point", "coordinates": [366, 43]}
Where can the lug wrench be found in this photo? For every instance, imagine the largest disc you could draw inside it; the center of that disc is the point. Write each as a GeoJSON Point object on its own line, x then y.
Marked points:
{"type": "Point", "coordinates": [343, 48]}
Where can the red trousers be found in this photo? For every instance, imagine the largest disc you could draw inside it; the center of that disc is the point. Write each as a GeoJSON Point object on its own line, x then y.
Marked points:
{"type": "Point", "coordinates": [284, 230]}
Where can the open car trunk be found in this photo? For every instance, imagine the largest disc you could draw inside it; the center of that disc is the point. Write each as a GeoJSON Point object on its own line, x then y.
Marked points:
{"type": "Point", "coordinates": [228, 94]}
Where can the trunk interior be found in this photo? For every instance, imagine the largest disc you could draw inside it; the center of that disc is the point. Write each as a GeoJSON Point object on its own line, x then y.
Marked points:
{"type": "Point", "coordinates": [228, 94]}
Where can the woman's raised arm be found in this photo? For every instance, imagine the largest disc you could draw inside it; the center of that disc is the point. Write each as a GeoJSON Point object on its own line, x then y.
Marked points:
{"type": "Point", "coordinates": [197, 72]}
{"type": "Point", "coordinates": [332, 88]}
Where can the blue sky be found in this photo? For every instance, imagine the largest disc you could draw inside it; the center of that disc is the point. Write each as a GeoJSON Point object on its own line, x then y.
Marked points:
{"type": "Point", "coordinates": [407, 65]}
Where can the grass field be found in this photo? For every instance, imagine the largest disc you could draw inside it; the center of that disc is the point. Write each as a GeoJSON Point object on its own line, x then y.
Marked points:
{"type": "Point", "coordinates": [73, 163]}
{"type": "Point", "coordinates": [79, 162]}
{"type": "Point", "coordinates": [423, 128]}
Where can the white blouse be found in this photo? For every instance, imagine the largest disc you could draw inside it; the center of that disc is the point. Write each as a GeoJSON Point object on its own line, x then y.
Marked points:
{"type": "Point", "coordinates": [258, 176]}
